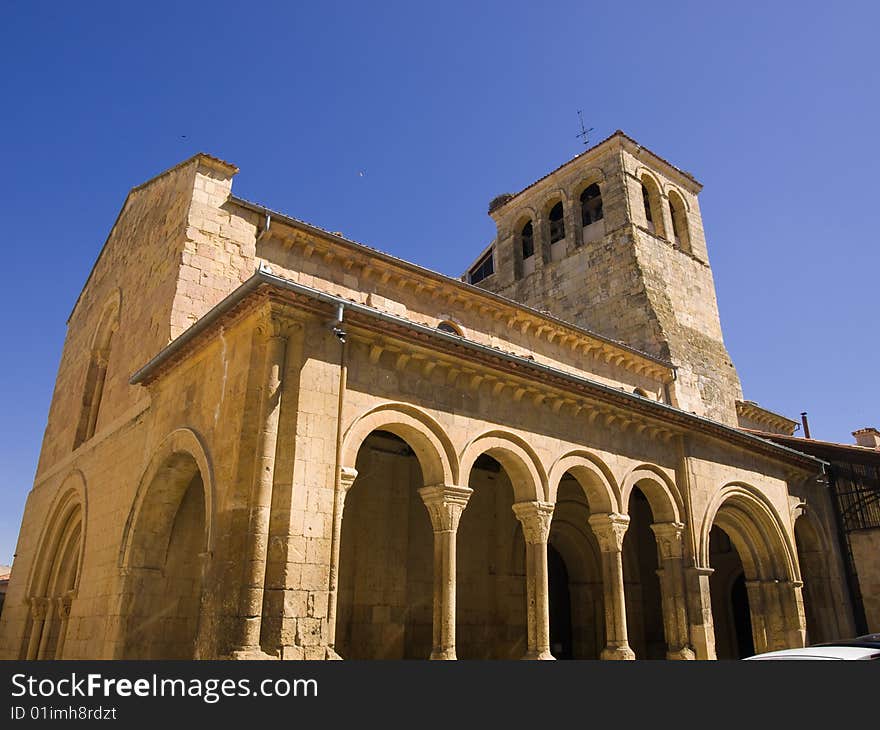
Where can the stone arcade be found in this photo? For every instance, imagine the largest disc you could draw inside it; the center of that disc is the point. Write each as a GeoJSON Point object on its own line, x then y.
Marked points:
{"type": "Point", "coordinates": [268, 441]}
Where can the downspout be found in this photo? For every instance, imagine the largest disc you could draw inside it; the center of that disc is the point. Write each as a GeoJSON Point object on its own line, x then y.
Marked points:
{"type": "Point", "coordinates": [338, 492]}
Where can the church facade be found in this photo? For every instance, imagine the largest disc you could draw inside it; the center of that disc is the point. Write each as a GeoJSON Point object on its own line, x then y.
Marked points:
{"type": "Point", "coordinates": [269, 441]}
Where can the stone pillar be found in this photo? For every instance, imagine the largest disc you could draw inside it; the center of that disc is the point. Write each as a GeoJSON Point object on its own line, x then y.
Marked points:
{"type": "Point", "coordinates": [609, 530]}
{"type": "Point", "coordinates": [541, 227]}
{"type": "Point", "coordinates": [251, 600]}
{"type": "Point", "coordinates": [794, 620]}
{"type": "Point", "coordinates": [535, 518]}
{"type": "Point", "coordinates": [574, 222]}
{"type": "Point", "coordinates": [762, 635]}
{"type": "Point", "coordinates": [64, 605]}
{"type": "Point", "coordinates": [445, 504]}
{"type": "Point", "coordinates": [666, 214]}
{"type": "Point", "coordinates": [702, 626]}
{"type": "Point", "coordinates": [39, 607]}
{"type": "Point", "coordinates": [672, 590]}
{"type": "Point", "coordinates": [347, 475]}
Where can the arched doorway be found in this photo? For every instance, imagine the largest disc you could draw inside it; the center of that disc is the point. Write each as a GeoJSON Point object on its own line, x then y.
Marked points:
{"type": "Point", "coordinates": [817, 591]}
{"type": "Point", "coordinates": [577, 611]}
{"type": "Point", "coordinates": [56, 577]}
{"type": "Point", "coordinates": [385, 600]}
{"type": "Point", "coordinates": [491, 620]}
{"type": "Point", "coordinates": [644, 611]}
{"type": "Point", "coordinates": [730, 601]}
{"type": "Point", "coordinates": [753, 566]}
{"type": "Point", "coordinates": [164, 564]}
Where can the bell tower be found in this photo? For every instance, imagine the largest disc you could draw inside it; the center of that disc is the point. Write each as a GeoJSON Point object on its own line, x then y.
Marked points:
{"type": "Point", "coordinates": [613, 241]}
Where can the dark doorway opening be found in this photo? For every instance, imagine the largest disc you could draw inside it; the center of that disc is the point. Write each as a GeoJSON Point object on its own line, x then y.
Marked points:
{"type": "Point", "coordinates": [560, 606]}
{"type": "Point", "coordinates": [742, 618]}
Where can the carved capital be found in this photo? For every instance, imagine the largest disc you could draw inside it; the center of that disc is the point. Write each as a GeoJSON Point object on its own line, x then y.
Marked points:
{"type": "Point", "coordinates": [535, 518]}
{"type": "Point", "coordinates": [445, 503]}
{"type": "Point", "coordinates": [609, 530]}
{"type": "Point", "coordinates": [668, 536]}
{"type": "Point", "coordinates": [276, 323]}
{"type": "Point", "coordinates": [347, 475]}
{"type": "Point", "coordinates": [64, 605]}
{"type": "Point", "coordinates": [39, 606]}
{"type": "Point", "coordinates": [102, 357]}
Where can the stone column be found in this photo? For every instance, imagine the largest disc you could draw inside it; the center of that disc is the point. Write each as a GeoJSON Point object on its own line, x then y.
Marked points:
{"type": "Point", "coordinates": [445, 504]}
{"type": "Point", "coordinates": [794, 620]}
{"type": "Point", "coordinates": [347, 475]}
{"type": "Point", "coordinates": [251, 600]}
{"type": "Point", "coordinates": [702, 626]}
{"type": "Point", "coordinates": [762, 635]}
{"type": "Point", "coordinates": [535, 518]}
{"type": "Point", "coordinates": [609, 530]}
{"type": "Point", "coordinates": [672, 590]}
{"type": "Point", "coordinates": [39, 607]}
{"type": "Point", "coordinates": [64, 605]}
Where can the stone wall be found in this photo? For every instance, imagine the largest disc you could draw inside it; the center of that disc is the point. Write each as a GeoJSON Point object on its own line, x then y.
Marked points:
{"type": "Point", "coordinates": [866, 555]}
{"type": "Point", "coordinates": [632, 281]}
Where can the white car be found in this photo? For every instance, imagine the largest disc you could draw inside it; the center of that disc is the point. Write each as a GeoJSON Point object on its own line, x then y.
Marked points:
{"type": "Point", "coordinates": [862, 647]}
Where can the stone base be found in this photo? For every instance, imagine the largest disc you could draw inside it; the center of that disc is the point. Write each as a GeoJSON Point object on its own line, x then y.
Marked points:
{"type": "Point", "coordinates": [250, 654]}
{"type": "Point", "coordinates": [539, 656]}
{"type": "Point", "coordinates": [617, 653]}
{"type": "Point", "coordinates": [443, 655]}
{"type": "Point", "coordinates": [686, 654]}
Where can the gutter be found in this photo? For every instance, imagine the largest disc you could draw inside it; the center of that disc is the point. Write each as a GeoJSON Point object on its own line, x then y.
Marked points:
{"type": "Point", "coordinates": [264, 277]}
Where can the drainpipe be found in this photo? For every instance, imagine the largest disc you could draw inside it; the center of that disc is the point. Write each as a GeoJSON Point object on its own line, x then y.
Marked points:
{"type": "Point", "coordinates": [262, 234]}
{"type": "Point", "coordinates": [338, 494]}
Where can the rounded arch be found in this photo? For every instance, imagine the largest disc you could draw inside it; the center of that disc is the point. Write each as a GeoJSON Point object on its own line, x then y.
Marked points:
{"type": "Point", "coordinates": [671, 190]}
{"type": "Point", "coordinates": [66, 521]}
{"type": "Point", "coordinates": [680, 220]}
{"type": "Point", "coordinates": [450, 326]}
{"type": "Point", "coordinates": [526, 215]}
{"type": "Point", "coordinates": [648, 177]}
{"type": "Point", "coordinates": [174, 464]}
{"type": "Point", "coordinates": [756, 531]}
{"type": "Point", "coordinates": [523, 467]}
{"type": "Point", "coordinates": [108, 322]}
{"type": "Point", "coordinates": [593, 476]}
{"type": "Point", "coordinates": [593, 176]}
{"type": "Point", "coordinates": [804, 521]}
{"type": "Point", "coordinates": [581, 554]}
{"type": "Point", "coordinates": [551, 198]}
{"type": "Point", "coordinates": [652, 197]}
{"type": "Point", "coordinates": [813, 553]}
{"type": "Point", "coordinates": [662, 494]}
{"type": "Point", "coordinates": [424, 435]}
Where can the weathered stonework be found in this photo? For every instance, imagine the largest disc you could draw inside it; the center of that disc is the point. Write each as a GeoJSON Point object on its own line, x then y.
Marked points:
{"type": "Point", "coordinates": [262, 445]}
{"type": "Point", "coordinates": [623, 276]}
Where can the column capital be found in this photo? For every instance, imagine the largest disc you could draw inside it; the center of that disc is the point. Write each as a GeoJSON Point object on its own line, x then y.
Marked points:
{"type": "Point", "coordinates": [64, 604]}
{"type": "Point", "coordinates": [535, 518]}
{"type": "Point", "coordinates": [347, 475]}
{"type": "Point", "coordinates": [39, 606]}
{"type": "Point", "coordinates": [609, 530]}
{"type": "Point", "coordinates": [276, 323]}
{"type": "Point", "coordinates": [445, 503]}
{"type": "Point", "coordinates": [668, 536]}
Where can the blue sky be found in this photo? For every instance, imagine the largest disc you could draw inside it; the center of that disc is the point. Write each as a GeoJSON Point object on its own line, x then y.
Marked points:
{"type": "Point", "coordinates": [773, 106]}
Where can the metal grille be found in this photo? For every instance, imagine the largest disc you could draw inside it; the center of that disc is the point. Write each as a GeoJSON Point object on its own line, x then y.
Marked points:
{"type": "Point", "coordinates": [858, 495]}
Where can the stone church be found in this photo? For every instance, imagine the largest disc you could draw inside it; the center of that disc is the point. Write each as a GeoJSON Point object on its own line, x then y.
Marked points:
{"type": "Point", "coordinates": [269, 441]}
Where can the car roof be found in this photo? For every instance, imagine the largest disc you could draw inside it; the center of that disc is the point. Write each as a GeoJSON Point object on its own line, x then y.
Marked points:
{"type": "Point", "coordinates": [823, 651]}
{"type": "Point", "coordinates": [868, 640]}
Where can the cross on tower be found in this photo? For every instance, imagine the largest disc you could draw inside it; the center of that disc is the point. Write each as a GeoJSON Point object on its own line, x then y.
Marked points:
{"type": "Point", "coordinates": [585, 133]}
